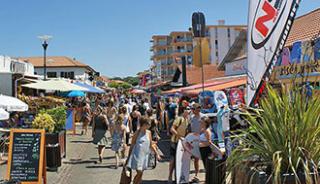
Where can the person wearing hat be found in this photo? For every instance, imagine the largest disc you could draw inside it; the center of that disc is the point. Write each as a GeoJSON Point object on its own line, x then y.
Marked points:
{"type": "Point", "coordinates": [195, 127]}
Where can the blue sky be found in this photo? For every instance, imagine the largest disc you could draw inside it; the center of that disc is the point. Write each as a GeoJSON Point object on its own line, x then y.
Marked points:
{"type": "Point", "coordinates": [112, 36]}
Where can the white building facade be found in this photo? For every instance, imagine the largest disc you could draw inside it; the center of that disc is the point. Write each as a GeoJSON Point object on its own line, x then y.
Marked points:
{"type": "Point", "coordinates": [11, 70]}
{"type": "Point", "coordinates": [222, 38]}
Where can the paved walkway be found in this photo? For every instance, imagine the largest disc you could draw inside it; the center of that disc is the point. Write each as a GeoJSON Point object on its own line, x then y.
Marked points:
{"type": "Point", "coordinates": [81, 165]}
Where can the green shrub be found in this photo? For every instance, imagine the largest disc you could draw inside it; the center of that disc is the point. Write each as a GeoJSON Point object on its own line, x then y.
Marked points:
{"type": "Point", "coordinates": [59, 116]}
{"type": "Point", "coordinates": [44, 121]}
{"type": "Point", "coordinates": [284, 136]}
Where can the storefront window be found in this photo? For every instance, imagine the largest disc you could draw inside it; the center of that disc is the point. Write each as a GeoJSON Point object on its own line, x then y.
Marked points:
{"type": "Point", "coordinates": [52, 74]}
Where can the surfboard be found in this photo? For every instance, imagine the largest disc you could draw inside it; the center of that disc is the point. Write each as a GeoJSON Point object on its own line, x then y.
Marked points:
{"type": "Point", "coordinates": [183, 159]}
{"type": "Point", "coordinates": [185, 149]}
{"type": "Point", "coordinates": [220, 99]}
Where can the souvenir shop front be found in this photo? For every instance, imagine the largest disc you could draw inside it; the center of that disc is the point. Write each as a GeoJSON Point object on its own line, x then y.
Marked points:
{"type": "Point", "coordinates": [299, 64]}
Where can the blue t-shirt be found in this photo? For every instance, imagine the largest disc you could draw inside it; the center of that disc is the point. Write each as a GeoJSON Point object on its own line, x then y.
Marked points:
{"type": "Point", "coordinates": [172, 110]}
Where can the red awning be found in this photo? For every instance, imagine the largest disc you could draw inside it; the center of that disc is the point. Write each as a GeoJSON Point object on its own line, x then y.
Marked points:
{"type": "Point", "coordinates": [218, 87]}
{"type": "Point", "coordinates": [215, 85]}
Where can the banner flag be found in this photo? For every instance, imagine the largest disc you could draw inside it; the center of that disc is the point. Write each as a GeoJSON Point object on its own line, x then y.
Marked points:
{"type": "Point", "coordinates": [269, 24]}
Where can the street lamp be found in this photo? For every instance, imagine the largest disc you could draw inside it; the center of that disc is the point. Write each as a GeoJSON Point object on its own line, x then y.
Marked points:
{"type": "Point", "coordinates": [45, 39]}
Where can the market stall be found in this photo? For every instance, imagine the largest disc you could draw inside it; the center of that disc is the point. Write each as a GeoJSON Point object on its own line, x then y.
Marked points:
{"type": "Point", "coordinates": [4, 115]}
{"type": "Point", "coordinates": [55, 85]}
{"type": "Point", "coordinates": [88, 88]}
{"type": "Point", "coordinates": [12, 104]}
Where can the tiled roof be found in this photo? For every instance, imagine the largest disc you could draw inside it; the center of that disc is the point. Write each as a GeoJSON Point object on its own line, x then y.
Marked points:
{"type": "Point", "coordinates": [305, 27]}
{"type": "Point", "coordinates": [194, 73]}
{"type": "Point", "coordinates": [54, 61]}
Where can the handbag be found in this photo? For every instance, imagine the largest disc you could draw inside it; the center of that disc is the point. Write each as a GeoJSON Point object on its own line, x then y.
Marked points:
{"type": "Point", "coordinates": [126, 176]}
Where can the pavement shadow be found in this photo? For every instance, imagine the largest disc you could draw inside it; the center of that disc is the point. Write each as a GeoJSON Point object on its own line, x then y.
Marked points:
{"type": "Point", "coordinates": [99, 166]}
{"type": "Point", "coordinates": [81, 142]}
{"type": "Point", "coordinates": [104, 158]}
{"type": "Point", "coordinates": [153, 182]}
{"type": "Point", "coordinates": [107, 147]}
{"type": "Point", "coordinates": [79, 161]}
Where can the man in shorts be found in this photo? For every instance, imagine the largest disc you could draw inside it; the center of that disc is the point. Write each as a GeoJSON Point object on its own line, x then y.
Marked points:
{"type": "Point", "coordinates": [195, 127]}
{"type": "Point", "coordinates": [178, 130]}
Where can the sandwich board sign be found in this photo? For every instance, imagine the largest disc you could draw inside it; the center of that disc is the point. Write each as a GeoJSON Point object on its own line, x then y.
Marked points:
{"type": "Point", "coordinates": [27, 160]}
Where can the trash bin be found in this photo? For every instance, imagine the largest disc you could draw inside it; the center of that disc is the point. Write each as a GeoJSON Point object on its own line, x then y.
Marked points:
{"type": "Point", "coordinates": [53, 155]}
{"type": "Point", "coordinates": [216, 171]}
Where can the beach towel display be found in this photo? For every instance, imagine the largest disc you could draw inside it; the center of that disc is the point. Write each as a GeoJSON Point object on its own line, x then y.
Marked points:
{"type": "Point", "coordinates": [236, 97]}
{"type": "Point", "coordinates": [285, 57]}
{"type": "Point", "coordinates": [296, 53]}
{"type": "Point", "coordinates": [317, 49]}
{"type": "Point", "coordinates": [307, 51]}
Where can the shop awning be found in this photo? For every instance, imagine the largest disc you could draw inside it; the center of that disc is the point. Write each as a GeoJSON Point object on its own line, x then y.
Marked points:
{"type": "Point", "coordinates": [221, 86]}
{"type": "Point", "coordinates": [4, 115]}
{"type": "Point", "coordinates": [55, 85]}
{"type": "Point", "coordinates": [12, 104]}
{"type": "Point", "coordinates": [89, 88]}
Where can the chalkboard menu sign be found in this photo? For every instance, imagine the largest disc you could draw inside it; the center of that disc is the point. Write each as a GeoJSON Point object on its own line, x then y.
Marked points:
{"type": "Point", "coordinates": [26, 155]}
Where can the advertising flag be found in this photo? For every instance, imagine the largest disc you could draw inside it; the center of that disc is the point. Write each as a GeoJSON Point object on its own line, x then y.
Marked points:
{"type": "Point", "coordinates": [269, 23]}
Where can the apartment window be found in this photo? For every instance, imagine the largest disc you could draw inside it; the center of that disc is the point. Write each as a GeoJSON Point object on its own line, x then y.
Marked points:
{"type": "Point", "coordinates": [216, 43]}
{"type": "Point", "coordinates": [71, 75]}
{"type": "Point", "coordinates": [52, 74]}
{"type": "Point", "coordinates": [229, 38]}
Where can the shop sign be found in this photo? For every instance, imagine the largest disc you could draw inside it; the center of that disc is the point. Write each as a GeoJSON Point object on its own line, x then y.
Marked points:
{"type": "Point", "coordinates": [17, 67]}
{"type": "Point", "coordinates": [300, 69]}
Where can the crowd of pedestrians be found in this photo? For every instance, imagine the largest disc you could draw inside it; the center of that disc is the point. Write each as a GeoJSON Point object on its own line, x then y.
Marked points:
{"type": "Point", "coordinates": [135, 124]}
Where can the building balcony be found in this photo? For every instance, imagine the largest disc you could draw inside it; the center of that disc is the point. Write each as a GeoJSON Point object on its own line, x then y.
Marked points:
{"type": "Point", "coordinates": [182, 41]}
{"type": "Point", "coordinates": [182, 52]}
{"type": "Point", "coordinates": [160, 46]}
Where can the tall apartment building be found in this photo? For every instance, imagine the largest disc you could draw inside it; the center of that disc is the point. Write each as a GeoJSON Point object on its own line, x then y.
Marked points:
{"type": "Point", "coordinates": [168, 51]}
{"type": "Point", "coordinates": [222, 38]}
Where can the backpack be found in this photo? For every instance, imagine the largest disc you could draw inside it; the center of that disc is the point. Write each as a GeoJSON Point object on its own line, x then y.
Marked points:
{"type": "Point", "coordinates": [171, 124]}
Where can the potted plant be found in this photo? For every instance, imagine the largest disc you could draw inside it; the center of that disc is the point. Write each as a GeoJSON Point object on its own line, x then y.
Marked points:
{"type": "Point", "coordinates": [282, 144]}
{"type": "Point", "coordinates": [58, 136]}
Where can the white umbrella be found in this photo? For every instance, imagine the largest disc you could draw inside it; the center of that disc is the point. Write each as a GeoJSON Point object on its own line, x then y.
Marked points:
{"type": "Point", "coordinates": [10, 104]}
{"type": "Point", "coordinates": [4, 115]}
{"type": "Point", "coordinates": [55, 85]}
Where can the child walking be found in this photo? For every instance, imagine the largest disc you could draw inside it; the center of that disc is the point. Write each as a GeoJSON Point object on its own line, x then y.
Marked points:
{"type": "Point", "coordinates": [118, 137]}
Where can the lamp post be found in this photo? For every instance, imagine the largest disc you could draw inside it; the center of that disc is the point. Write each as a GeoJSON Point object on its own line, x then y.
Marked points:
{"type": "Point", "coordinates": [45, 39]}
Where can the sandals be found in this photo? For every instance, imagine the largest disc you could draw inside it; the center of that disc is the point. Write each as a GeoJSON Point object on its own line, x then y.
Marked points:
{"type": "Point", "coordinates": [195, 180]}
